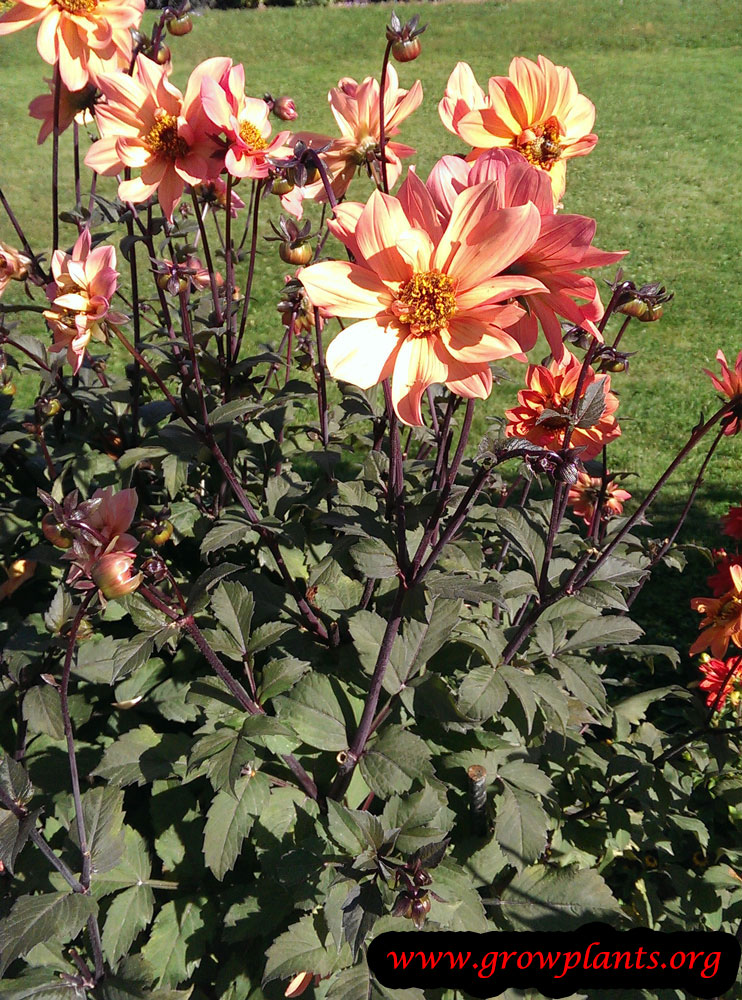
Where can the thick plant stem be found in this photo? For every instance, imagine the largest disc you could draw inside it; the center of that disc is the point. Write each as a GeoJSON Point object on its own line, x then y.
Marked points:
{"type": "Point", "coordinates": [235, 347]}
{"type": "Point", "coordinates": [136, 382]}
{"type": "Point", "coordinates": [382, 120]}
{"type": "Point", "coordinates": [354, 751]}
{"type": "Point", "coordinates": [209, 261]}
{"type": "Point", "coordinates": [55, 159]}
{"type": "Point", "coordinates": [395, 498]}
{"type": "Point", "coordinates": [22, 237]}
{"type": "Point", "coordinates": [321, 379]}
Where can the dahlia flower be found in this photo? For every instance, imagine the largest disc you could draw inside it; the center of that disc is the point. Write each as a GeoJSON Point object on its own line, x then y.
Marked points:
{"type": "Point", "coordinates": [214, 193]}
{"type": "Point", "coordinates": [73, 105]}
{"type": "Point", "coordinates": [356, 110]}
{"type": "Point", "coordinates": [729, 383]}
{"type": "Point", "coordinates": [430, 299]}
{"type": "Point", "coordinates": [13, 266]}
{"type": "Point", "coordinates": [18, 573]}
{"type": "Point", "coordinates": [148, 125]}
{"type": "Point", "coordinates": [720, 679]}
{"type": "Point", "coordinates": [244, 121]}
{"type": "Point", "coordinates": [544, 407]}
{"type": "Point", "coordinates": [80, 295]}
{"type": "Point", "coordinates": [564, 245]}
{"type": "Point", "coordinates": [585, 493]}
{"type": "Point", "coordinates": [536, 110]}
{"type": "Point", "coordinates": [722, 622]}
{"type": "Point", "coordinates": [87, 38]}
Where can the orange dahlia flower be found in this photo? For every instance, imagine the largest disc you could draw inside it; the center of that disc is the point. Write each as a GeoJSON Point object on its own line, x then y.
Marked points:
{"type": "Point", "coordinates": [563, 248]}
{"type": "Point", "coordinates": [536, 110]}
{"type": "Point", "coordinates": [18, 573]}
{"type": "Point", "coordinates": [244, 121]}
{"type": "Point", "coordinates": [84, 284]}
{"type": "Point", "coordinates": [85, 37]}
{"type": "Point", "coordinates": [356, 110]}
{"type": "Point", "coordinates": [732, 522]}
{"type": "Point", "coordinates": [73, 105]}
{"type": "Point", "coordinates": [730, 385]}
{"type": "Point", "coordinates": [585, 493]}
{"type": "Point", "coordinates": [722, 623]}
{"type": "Point", "coordinates": [719, 676]}
{"type": "Point", "coordinates": [148, 125]}
{"type": "Point", "coordinates": [431, 301]}
{"type": "Point", "coordinates": [543, 411]}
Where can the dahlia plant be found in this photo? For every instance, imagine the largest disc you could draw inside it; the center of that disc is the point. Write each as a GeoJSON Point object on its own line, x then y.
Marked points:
{"type": "Point", "coordinates": [291, 657]}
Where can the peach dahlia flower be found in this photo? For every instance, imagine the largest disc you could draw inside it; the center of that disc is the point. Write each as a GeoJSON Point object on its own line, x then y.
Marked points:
{"type": "Point", "coordinates": [244, 121]}
{"type": "Point", "coordinates": [563, 248]}
{"type": "Point", "coordinates": [553, 389]}
{"type": "Point", "coordinates": [146, 124]}
{"type": "Point", "coordinates": [722, 622]}
{"type": "Point", "coordinates": [80, 295]}
{"type": "Point", "coordinates": [13, 266]}
{"type": "Point", "coordinates": [73, 105]}
{"type": "Point", "coordinates": [356, 110]}
{"type": "Point", "coordinates": [536, 110]}
{"type": "Point", "coordinates": [430, 300]}
{"type": "Point", "coordinates": [85, 37]}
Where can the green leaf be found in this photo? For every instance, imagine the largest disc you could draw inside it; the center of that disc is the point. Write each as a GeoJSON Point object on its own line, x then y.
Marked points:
{"type": "Point", "coordinates": [206, 582]}
{"type": "Point", "coordinates": [634, 708]}
{"type": "Point", "coordinates": [14, 833]}
{"type": "Point", "coordinates": [142, 756]}
{"type": "Point", "coordinates": [228, 532]}
{"type": "Point", "coordinates": [394, 761]}
{"type": "Point", "coordinates": [178, 940]}
{"type": "Point", "coordinates": [35, 919]}
{"type": "Point", "coordinates": [131, 654]}
{"type": "Point", "coordinates": [605, 631]}
{"type": "Point", "coordinates": [129, 913]}
{"type": "Point", "coordinates": [41, 983]}
{"type": "Point", "coordinates": [103, 813]}
{"type": "Point", "coordinates": [482, 693]}
{"type": "Point", "coordinates": [14, 781]}
{"type": "Point", "coordinates": [592, 405]}
{"type": "Point", "coordinates": [302, 947]}
{"type": "Point", "coordinates": [42, 711]}
{"type": "Point", "coordinates": [281, 675]}
{"type": "Point", "coordinates": [229, 821]}
{"type": "Point", "coordinates": [462, 909]}
{"type": "Point", "coordinates": [374, 559]}
{"type": "Point", "coordinates": [313, 711]}
{"type": "Point", "coordinates": [60, 611]}
{"type": "Point", "coordinates": [233, 605]}
{"type": "Point", "coordinates": [266, 635]}
{"type": "Point", "coordinates": [520, 826]}
{"type": "Point", "coordinates": [556, 899]}
{"type": "Point", "coordinates": [421, 641]}
{"type": "Point", "coordinates": [453, 586]}
{"type": "Point", "coordinates": [352, 829]}
{"type": "Point", "coordinates": [523, 535]}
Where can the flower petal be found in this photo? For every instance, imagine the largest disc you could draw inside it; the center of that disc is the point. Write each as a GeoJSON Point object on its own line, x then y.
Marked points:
{"type": "Point", "coordinates": [364, 353]}
{"type": "Point", "coordinates": [345, 289]}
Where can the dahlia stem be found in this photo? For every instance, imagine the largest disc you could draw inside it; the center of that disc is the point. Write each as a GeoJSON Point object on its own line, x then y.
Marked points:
{"type": "Point", "coordinates": [395, 495]}
{"type": "Point", "coordinates": [321, 380]}
{"type": "Point", "coordinates": [55, 159]}
{"type": "Point", "coordinates": [250, 270]}
{"type": "Point", "coordinates": [621, 332]}
{"type": "Point", "coordinates": [594, 529]}
{"type": "Point", "coordinates": [229, 260]}
{"type": "Point", "coordinates": [37, 837]}
{"type": "Point", "coordinates": [76, 158]}
{"type": "Point", "coordinates": [382, 122]}
{"type": "Point", "coordinates": [681, 520]}
{"type": "Point", "coordinates": [136, 381]}
{"type": "Point", "coordinates": [209, 261]}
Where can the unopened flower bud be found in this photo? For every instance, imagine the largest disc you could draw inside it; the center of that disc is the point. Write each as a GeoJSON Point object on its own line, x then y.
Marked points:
{"type": "Point", "coordinates": [182, 25]}
{"type": "Point", "coordinates": [47, 408]}
{"type": "Point", "coordinates": [645, 312]}
{"type": "Point", "coordinates": [55, 533]}
{"type": "Point", "coordinates": [285, 109]}
{"type": "Point", "coordinates": [157, 532]}
{"type": "Point", "coordinates": [154, 569]}
{"type": "Point", "coordinates": [113, 576]}
{"type": "Point", "coordinates": [406, 51]}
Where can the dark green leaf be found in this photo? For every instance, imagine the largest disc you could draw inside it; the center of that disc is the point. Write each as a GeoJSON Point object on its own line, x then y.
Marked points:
{"type": "Point", "coordinates": [42, 711]}
{"type": "Point", "coordinates": [394, 761]}
{"type": "Point", "coordinates": [229, 821]}
{"type": "Point", "coordinates": [35, 919]}
{"type": "Point", "coordinates": [520, 826]}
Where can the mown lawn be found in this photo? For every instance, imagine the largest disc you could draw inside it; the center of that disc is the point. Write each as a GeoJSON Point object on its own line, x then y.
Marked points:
{"type": "Point", "coordinates": [665, 79]}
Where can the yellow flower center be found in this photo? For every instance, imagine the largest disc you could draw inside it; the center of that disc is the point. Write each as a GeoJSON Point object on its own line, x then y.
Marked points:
{"type": "Point", "coordinates": [728, 610]}
{"type": "Point", "coordinates": [426, 302]}
{"type": "Point", "coordinates": [251, 137]}
{"type": "Point", "coordinates": [163, 138]}
{"type": "Point", "coordinates": [77, 6]}
{"type": "Point", "coordinates": [544, 149]}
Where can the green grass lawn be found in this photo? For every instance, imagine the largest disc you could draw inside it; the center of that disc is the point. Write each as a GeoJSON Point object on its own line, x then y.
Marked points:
{"type": "Point", "coordinates": [664, 77]}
